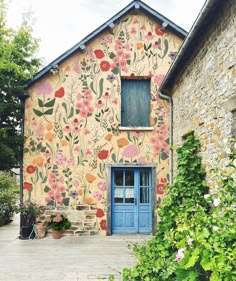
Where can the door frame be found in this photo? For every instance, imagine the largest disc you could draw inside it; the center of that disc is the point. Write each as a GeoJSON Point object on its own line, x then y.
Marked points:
{"type": "Point", "coordinates": [109, 168]}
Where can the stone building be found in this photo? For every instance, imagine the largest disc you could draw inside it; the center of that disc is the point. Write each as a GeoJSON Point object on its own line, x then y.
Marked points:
{"type": "Point", "coordinates": [201, 84]}
{"type": "Point", "coordinates": [96, 132]}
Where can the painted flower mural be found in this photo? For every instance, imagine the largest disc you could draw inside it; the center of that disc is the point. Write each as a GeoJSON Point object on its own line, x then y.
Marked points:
{"type": "Point", "coordinates": [73, 118]}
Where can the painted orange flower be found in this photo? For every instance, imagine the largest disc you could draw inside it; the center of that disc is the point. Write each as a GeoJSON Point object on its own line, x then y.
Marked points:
{"type": "Point", "coordinates": [152, 121]}
{"type": "Point", "coordinates": [64, 143]}
{"type": "Point", "coordinates": [89, 200]}
{"type": "Point", "coordinates": [122, 142]}
{"type": "Point", "coordinates": [90, 178]}
{"type": "Point", "coordinates": [80, 192]}
{"type": "Point", "coordinates": [139, 45]}
{"type": "Point", "coordinates": [49, 136]}
{"type": "Point", "coordinates": [49, 126]}
{"type": "Point", "coordinates": [108, 137]}
{"type": "Point", "coordinates": [39, 161]}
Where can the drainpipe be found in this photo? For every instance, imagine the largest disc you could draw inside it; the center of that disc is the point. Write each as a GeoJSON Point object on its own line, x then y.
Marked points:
{"type": "Point", "coordinates": [169, 99]}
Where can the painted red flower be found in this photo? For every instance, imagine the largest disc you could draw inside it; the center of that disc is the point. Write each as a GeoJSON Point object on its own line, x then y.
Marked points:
{"type": "Point", "coordinates": [99, 54]}
{"type": "Point", "coordinates": [103, 224]}
{"type": "Point", "coordinates": [158, 30]}
{"type": "Point", "coordinates": [103, 154]}
{"type": "Point", "coordinates": [30, 169]}
{"type": "Point", "coordinates": [28, 186]}
{"type": "Point", "coordinates": [100, 213]}
{"type": "Point", "coordinates": [60, 93]}
{"type": "Point", "coordinates": [161, 186]}
{"type": "Point", "coordinates": [105, 65]}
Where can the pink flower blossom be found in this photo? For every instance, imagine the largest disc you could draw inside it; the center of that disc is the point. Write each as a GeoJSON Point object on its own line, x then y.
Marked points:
{"type": "Point", "coordinates": [102, 186]}
{"type": "Point", "coordinates": [180, 255]}
{"type": "Point", "coordinates": [48, 199]}
{"type": "Point", "coordinates": [58, 197]}
{"type": "Point", "coordinates": [97, 195]}
{"type": "Point", "coordinates": [130, 151]}
{"type": "Point", "coordinates": [158, 79]}
{"type": "Point", "coordinates": [43, 88]}
{"type": "Point", "coordinates": [57, 218]}
{"type": "Point", "coordinates": [76, 183]}
{"type": "Point", "coordinates": [60, 158]}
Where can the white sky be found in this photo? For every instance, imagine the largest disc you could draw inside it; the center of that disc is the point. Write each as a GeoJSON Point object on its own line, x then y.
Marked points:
{"type": "Point", "coordinates": [60, 24]}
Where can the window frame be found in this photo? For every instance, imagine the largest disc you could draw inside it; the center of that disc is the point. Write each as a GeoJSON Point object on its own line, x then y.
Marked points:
{"type": "Point", "coordinates": [135, 128]}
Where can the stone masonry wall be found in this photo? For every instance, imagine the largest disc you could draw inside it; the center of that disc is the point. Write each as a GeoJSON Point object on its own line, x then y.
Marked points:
{"type": "Point", "coordinates": [204, 98]}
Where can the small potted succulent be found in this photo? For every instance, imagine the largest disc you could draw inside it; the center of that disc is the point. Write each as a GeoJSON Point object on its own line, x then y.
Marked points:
{"type": "Point", "coordinates": [58, 222]}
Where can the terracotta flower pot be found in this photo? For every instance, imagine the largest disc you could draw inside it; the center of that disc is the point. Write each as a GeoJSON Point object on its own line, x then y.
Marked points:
{"type": "Point", "coordinates": [56, 234]}
{"type": "Point", "coordinates": [41, 229]}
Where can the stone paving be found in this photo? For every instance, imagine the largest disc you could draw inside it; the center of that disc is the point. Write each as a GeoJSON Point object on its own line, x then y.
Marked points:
{"type": "Point", "coordinates": [67, 259]}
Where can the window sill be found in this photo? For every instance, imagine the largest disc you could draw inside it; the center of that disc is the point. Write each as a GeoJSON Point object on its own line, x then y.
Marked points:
{"type": "Point", "coordinates": [136, 128]}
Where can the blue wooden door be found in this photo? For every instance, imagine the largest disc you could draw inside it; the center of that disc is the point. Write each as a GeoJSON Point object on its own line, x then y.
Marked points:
{"type": "Point", "coordinates": [131, 200]}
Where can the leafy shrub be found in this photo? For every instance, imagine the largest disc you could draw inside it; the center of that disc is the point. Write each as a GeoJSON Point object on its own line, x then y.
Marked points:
{"type": "Point", "coordinates": [8, 198]}
{"type": "Point", "coordinates": [195, 239]}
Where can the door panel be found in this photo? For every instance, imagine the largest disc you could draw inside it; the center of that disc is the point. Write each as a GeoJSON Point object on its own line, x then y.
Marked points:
{"type": "Point", "coordinates": [131, 200]}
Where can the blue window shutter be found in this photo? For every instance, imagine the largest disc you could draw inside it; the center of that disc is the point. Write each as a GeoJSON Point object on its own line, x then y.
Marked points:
{"type": "Point", "coordinates": [135, 103]}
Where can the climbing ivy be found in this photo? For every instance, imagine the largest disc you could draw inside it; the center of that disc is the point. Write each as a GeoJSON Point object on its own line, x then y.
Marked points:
{"type": "Point", "coordinates": [195, 239]}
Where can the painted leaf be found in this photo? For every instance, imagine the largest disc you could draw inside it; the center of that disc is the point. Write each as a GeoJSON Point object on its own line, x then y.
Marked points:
{"type": "Point", "coordinates": [46, 189]}
{"type": "Point", "coordinates": [66, 201]}
{"type": "Point", "coordinates": [163, 155]}
{"type": "Point", "coordinates": [65, 106]}
{"type": "Point", "coordinates": [40, 103]}
{"type": "Point", "coordinates": [112, 55]}
{"type": "Point", "coordinates": [113, 157]}
{"type": "Point", "coordinates": [92, 88]}
{"type": "Point", "coordinates": [50, 103]}
{"type": "Point", "coordinates": [115, 70]}
{"type": "Point", "coordinates": [38, 113]}
{"type": "Point", "coordinates": [71, 112]}
{"type": "Point", "coordinates": [166, 44]}
{"type": "Point", "coordinates": [100, 88]}
{"type": "Point", "coordinates": [48, 112]}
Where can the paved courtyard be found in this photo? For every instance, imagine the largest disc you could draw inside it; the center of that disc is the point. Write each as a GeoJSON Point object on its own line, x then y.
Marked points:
{"type": "Point", "coordinates": [67, 259]}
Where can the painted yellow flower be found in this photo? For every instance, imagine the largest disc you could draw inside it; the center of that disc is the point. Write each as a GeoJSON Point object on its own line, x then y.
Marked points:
{"type": "Point", "coordinates": [64, 143]}
{"type": "Point", "coordinates": [89, 200]}
{"type": "Point", "coordinates": [152, 121]}
{"type": "Point", "coordinates": [90, 178]}
{"type": "Point", "coordinates": [39, 161]}
{"type": "Point", "coordinates": [49, 136]}
{"type": "Point", "coordinates": [49, 126]}
{"type": "Point", "coordinates": [139, 45]}
{"type": "Point", "coordinates": [108, 137]}
{"type": "Point", "coordinates": [122, 142]}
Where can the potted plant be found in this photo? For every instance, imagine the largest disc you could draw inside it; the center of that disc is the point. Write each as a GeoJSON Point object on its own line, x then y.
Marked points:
{"type": "Point", "coordinates": [28, 212]}
{"type": "Point", "coordinates": [58, 222]}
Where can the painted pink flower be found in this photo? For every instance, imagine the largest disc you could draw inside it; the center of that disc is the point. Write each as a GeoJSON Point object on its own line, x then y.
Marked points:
{"type": "Point", "coordinates": [43, 88]}
{"type": "Point", "coordinates": [61, 188]}
{"type": "Point", "coordinates": [156, 45]}
{"type": "Point", "coordinates": [149, 36]}
{"type": "Point", "coordinates": [88, 152]}
{"type": "Point", "coordinates": [127, 47]}
{"type": "Point", "coordinates": [76, 130]}
{"type": "Point", "coordinates": [77, 68]}
{"type": "Point", "coordinates": [86, 132]}
{"type": "Point", "coordinates": [118, 43]}
{"type": "Point", "coordinates": [54, 186]}
{"type": "Point", "coordinates": [67, 129]}
{"type": "Point", "coordinates": [157, 148]}
{"type": "Point", "coordinates": [90, 109]}
{"type": "Point", "coordinates": [115, 101]}
{"type": "Point", "coordinates": [100, 104]}
{"type": "Point", "coordinates": [143, 27]}
{"type": "Point", "coordinates": [76, 183]}
{"type": "Point", "coordinates": [39, 131]}
{"type": "Point", "coordinates": [116, 60]}
{"type": "Point", "coordinates": [86, 103]}
{"type": "Point", "coordinates": [102, 186]}
{"type": "Point", "coordinates": [158, 79]}
{"type": "Point", "coordinates": [130, 151]}
{"type": "Point", "coordinates": [60, 158]}
{"type": "Point", "coordinates": [106, 95]}
{"type": "Point", "coordinates": [70, 162]}
{"type": "Point", "coordinates": [109, 39]}
{"type": "Point", "coordinates": [79, 105]}
{"type": "Point", "coordinates": [97, 195]}
{"type": "Point", "coordinates": [83, 113]}
{"type": "Point", "coordinates": [123, 63]}
{"type": "Point", "coordinates": [61, 179]}
{"type": "Point", "coordinates": [141, 160]}
{"type": "Point", "coordinates": [48, 199]}
{"type": "Point", "coordinates": [51, 193]}
{"type": "Point", "coordinates": [57, 218]}
{"type": "Point", "coordinates": [133, 31]}
{"type": "Point", "coordinates": [58, 197]}
{"type": "Point", "coordinates": [127, 56]}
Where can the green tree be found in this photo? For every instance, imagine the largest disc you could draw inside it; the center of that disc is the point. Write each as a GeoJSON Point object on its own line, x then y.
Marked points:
{"type": "Point", "coordinates": [18, 63]}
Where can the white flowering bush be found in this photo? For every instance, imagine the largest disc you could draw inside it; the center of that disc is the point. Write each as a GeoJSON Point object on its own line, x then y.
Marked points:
{"type": "Point", "coordinates": [196, 238]}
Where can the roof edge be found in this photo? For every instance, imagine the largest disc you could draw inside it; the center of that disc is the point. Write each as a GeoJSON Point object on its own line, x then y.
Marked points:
{"type": "Point", "coordinates": [196, 27]}
{"type": "Point", "coordinates": [136, 4]}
